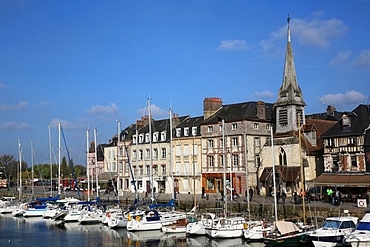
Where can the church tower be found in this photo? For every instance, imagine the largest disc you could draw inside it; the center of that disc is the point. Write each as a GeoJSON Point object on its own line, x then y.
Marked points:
{"type": "Point", "coordinates": [290, 104]}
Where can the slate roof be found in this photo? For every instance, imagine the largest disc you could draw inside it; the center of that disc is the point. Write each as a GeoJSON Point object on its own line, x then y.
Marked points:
{"type": "Point", "coordinates": [360, 120]}
{"type": "Point", "coordinates": [240, 112]}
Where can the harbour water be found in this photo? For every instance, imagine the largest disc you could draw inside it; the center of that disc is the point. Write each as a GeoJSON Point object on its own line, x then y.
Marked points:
{"type": "Point", "coordinates": [31, 232]}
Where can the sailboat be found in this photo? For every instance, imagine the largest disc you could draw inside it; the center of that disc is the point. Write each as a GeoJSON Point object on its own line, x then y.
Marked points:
{"type": "Point", "coordinates": [226, 227]}
{"type": "Point", "coordinates": [283, 233]}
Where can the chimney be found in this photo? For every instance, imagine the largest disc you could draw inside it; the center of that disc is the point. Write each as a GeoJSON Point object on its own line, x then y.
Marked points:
{"type": "Point", "coordinates": [261, 110]}
{"type": "Point", "coordinates": [210, 106]}
{"type": "Point", "coordinates": [330, 110]}
{"type": "Point", "coordinates": [175, 119]}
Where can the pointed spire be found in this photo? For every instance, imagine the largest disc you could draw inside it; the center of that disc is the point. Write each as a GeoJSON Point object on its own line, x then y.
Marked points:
{"type": "Point", "coordinates": [289, 92]}
{"type": "Point", "coordinates": [288, 28]}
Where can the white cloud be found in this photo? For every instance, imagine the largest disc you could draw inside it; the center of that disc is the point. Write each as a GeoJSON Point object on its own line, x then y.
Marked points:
{"type": "Point", "coordinates": [110, 109]}
{"type": "Point", "coordinates": [156, 112]}
{"type": "Point", "coordinates": [14, 125]}
{"type": "Point", "coordinates": [339, 99]}
{"type": "Point", "coordinates": [264, 95]}
{"type": "Point", "coordinates": [363, 60]}
{"type": "Point", "coordinates": [18, 107]}
{"type": "Point", "coordinates": [78, 124]}
{"type": "Point", "coordinates": [233, 45]}
{"type": "Point", "coordinates": [313, 32]}
{"type": "Point", "coordinates": [341, 57]}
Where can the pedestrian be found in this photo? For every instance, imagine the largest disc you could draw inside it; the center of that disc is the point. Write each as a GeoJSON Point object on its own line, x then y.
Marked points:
{"type": "Point", "coordinates": [283, 197]}
{"type": "Point", "coordinates": [329, 193]}
{"type": "Point", "coordinates": [203, 192]}
{"type": "Point", "coordinates": [250, 194]}
{"type": "Point", "coordinates": [222, 195]}
{"type": "Point", "coordinates": [278, 196]}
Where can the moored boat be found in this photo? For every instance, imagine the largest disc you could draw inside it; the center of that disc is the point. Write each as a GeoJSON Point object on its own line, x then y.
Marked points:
{"type": "Point", "coordinates": [333, 231]}
{"type": "Point", "coordinates": [361, 236]}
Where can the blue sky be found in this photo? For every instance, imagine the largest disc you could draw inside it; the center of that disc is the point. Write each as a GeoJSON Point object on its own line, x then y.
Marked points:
{"type": "Point", "coordinates": [88, 64]}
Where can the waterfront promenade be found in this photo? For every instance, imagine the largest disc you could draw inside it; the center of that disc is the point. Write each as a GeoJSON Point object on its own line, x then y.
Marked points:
{"type": "Point", "coordinates": [260, 205]}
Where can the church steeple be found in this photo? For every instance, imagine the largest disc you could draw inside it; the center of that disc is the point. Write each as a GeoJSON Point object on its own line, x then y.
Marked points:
{"type": "Point", "coordinates": [290, 103]}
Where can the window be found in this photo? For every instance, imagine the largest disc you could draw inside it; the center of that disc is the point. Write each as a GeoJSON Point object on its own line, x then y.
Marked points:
{"type": "Point", "coordinates": [155, 153]}
{"type": "Point", "coordinates": [178, 132]}
{"type": "Point", "coordinates": [164, 170]}
{"type": "Point", "coordinates": [235, 160]}
{"type": "Point", "coordinates": [155, 137]}
{"type": "Point", "coordinates": [163, 136]}
{"type": "Point", "coordinates": [141, 155]}
{"type": "Point", "coordinates": [234, 126]}
{"type": "Point", "coordinates": [134, 155]}
{"type": "Point", "coordinates": [164, 153]}
{"type": "Point", "coordinates": [210, 128]}
{"type": "Point", "coordinates": [147, 154]}
{"type": "Point", "coordinates": [210, 143]}
{"type": "Point", "coordinates": [299, 116]}
{"type": "Point", "coordinates": [109, 154]}
{"type": "Point", "coordinates": [186, 150]}
{"type": "Point", "coordinates": [186, 131]}
{"type": "Point", "coordinates": [351, 141]}
{"type": "Point", "coordinates": [141, 138]}
{"type": "Point", "coordinates": [194, 131]}
{"type": "Point", "coordinates": [211, 161]}
{"type": "Point", "coordinates": [330, 142]}
{"type": "Point", "coordinates": [221, 142]}
{"type": "Point", "coordinates": [283, 117]}
{"type": "Point", "coordinates": [282, 158]}
{"type": "Point", "coordinates": [134, 139]}
{"type": "Point", "coordinates": [114, 167]}
{"type": "Point", "coordinates": [178, 150]}
{"type": "Point", "coordinates": [268, 126]}
{"type": "Point", "coordinates": [256, 141]}
{"type": "Point", "coordinates": [195, 149]}
{"type": "Point", "coordinates": [255, 126]}
{"type": "Point", "coordinates": [235, 141]}
{"type": "Point", "coordinates": [147, 136]}
{"type": "Point", "coordinates": [221, 160]}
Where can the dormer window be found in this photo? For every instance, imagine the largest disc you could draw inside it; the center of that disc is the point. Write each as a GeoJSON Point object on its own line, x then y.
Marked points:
{"type": "Point", "coordinates": [163, 136]}
{"type": "Point", "coordinates": [178, 132]}
{"type": "Point", "coordinates": [141, 138]}
{"type": "Point", "coordinates": [155, 136]}
{"type": "Point", "coordinates": [330, 142]}
{"type": "Point", "coordinates": [147, 136]}
{"type": "Point", "coordinates": [134, 139]}
{"type": "Point", "coordinates": [234, 126]}
{"type": "Point", "coordinates": [210, 128]}
{"type": "Point", "coordinates": [194, 131]}
{"type": "Point", "coordinates": [186, 131]}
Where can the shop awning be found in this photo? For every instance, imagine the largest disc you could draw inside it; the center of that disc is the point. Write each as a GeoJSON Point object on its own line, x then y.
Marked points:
{"type": "Point", "coordinates": [341, 180]}
{"type": "Point", "coordinates": [286, 173]}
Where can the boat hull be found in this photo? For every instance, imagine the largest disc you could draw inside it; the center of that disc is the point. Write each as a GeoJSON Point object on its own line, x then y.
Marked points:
{"type": "Point", "coordinates": [290, 240]}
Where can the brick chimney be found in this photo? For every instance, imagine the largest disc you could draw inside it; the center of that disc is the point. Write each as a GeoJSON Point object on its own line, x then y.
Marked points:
{"type": "Point", "coordinates": [261, 110]}
{"type": "Point", "coordinates": [210, 106]}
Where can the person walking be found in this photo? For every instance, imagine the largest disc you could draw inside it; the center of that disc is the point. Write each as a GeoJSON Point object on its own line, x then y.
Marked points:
{"type": "Point", "coordinates": [283, 197]}
{"type": "Point", "coordinates": [250, 194]}
{"type": "Point", "coordinates": [203, 192]}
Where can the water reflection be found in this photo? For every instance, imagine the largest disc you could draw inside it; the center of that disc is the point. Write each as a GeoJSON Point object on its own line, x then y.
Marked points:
{"type": "Point", "coordinates": [73, 234]}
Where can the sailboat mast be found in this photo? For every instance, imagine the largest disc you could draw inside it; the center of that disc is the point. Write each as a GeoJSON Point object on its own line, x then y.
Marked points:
{"type": "Point", "coordinates": [224, 164]}
{"type": "Point", "coordinates": [50, 162]}
{"type": "Point", "coordinates": [247, 175]}
{"type": "Point", "coordinates": [118, 157]}
{"type": "Point", "coordinates": [150, 150]}
{"type": "Point", "coordinates": [302, 171]}
{"type": "Point", "coordinates": [32, 174]}
{"type": "Point", "coordinates": [96, 166]}
{"type": "Point", "coordinates": [273, 171]}
{"type": "Point", "coordinates": [87, 165]}
{"type": "Point", "coordinates": [137, 164]}
{"type": "Point", "coordinates": [20, 170]}
{"type": "Point", "coordinates": [171, 165]}
{"type": "Point", "coordinates": [59, 161]}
